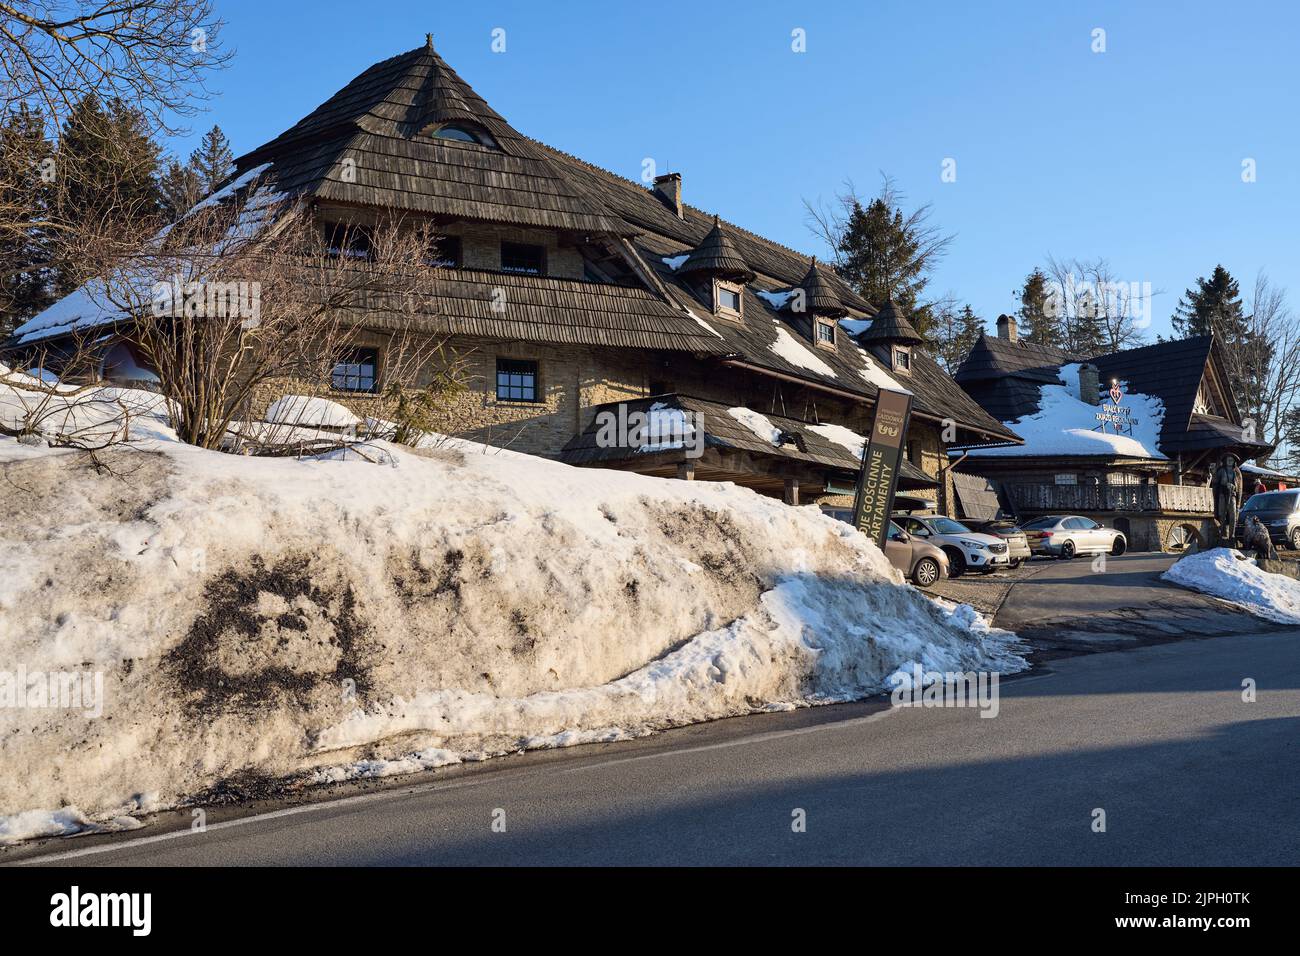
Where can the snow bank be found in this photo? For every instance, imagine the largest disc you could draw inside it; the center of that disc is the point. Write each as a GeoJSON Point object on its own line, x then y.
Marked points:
{"type": "Point", "coordinates": [1222, 573]}
{"type": "Point", "coordinates": [310, 412]}
{"type": "Point", "coordinates": [263, 619]}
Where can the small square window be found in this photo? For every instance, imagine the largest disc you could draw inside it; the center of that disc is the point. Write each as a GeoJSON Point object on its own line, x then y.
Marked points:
{"type": "Point", "coordinates": [523, 259]}
{"type": "Point", "coordinates": [902, 359]}
{"type": "Point", "coordinates": [516, 381]}
{"type": "Point", "coordinates": [356, 371]}
{"type": "Point", "coordinates": [826, 333]}
{"type": "Point", "coordinates": [444, 253]}
{"type": "Point", "coordinates": [728, 299]}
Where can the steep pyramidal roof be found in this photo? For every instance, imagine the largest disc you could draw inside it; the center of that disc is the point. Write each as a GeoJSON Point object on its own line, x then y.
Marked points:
{"type": "Point", "coordinates": [717, 255]}
{"type": "Point", "coordinates": [820, 295]}
{"type": "Point", "coordinates": [372, 143]}
{"type": "Point", "coordinates": [889, 325]}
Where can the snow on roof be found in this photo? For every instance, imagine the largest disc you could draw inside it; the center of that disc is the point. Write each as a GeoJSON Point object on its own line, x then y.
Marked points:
{"type": "Point", "coordinates": [89, 306]}
{"type": "Point", "coordinates": [844, 437]}
{"type": "Point", "coordinates": [703, 324]}
{"type": "Point", "coordinates": [675, 262]}
{"type": "Point", "coordinates": [756, 423]}
{"type": "Point", "coordinates": [1252, 468]}
{"type": "Point", "coordinates": [776, 300]}
{"type": "Point", "coordinates": [667, 427]}
{"type": "Point", "coordinates": [877, 376]}
{"type": "Point", "coordinates": [796, 353]}
{"type": "Point", "coordinates": [1067, 425]}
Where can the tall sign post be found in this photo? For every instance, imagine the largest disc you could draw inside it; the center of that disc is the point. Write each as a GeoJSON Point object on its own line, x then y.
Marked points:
{"type": "Point", "coordinates": [881, 462]}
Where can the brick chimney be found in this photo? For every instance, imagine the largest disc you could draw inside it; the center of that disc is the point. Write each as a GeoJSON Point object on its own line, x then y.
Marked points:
{"type": "Point", "coordinates": [669, 188]}
{"type": "Point", "coordinates": [1007, 328]}
{"type": "Point", "coordinates": [1089, 384]}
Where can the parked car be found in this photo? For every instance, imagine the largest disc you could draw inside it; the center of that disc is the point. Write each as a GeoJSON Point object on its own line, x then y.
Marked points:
{"type": "Point", "coordinates": [1064, 536]}
{"type": "Point", "coordinates": [965, 548]}
{"type": "Point", "coordinates": [919, 560]}
{"type": "Point", "coordinates": [1279, 512]}
{"type": "Point", "coordinates": [1017, 541]}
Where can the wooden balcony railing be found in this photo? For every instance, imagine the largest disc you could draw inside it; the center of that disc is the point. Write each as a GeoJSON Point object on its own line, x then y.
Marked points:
{"type": "Point", "coordinates": [1181, 499]}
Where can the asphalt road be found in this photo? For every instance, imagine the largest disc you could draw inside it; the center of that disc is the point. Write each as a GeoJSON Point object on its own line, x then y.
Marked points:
{"type": "Point", "coordinates": [1158, 737]}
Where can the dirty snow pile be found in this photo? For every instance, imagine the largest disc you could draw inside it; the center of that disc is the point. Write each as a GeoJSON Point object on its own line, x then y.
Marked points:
{"type": "Point", "coordinates": [1223, 573]}
{"type": "Point", "coordinates": [1067, 425]}
{"type": "Point", "coordinates": [180, 624]}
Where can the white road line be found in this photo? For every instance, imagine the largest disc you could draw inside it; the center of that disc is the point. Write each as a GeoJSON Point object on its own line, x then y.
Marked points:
{"type": "Point", "coordinates": [112, 847]}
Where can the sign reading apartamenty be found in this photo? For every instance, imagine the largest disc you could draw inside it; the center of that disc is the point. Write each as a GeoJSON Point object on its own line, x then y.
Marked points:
{"type": "Point", "coordinates": [880, 465]}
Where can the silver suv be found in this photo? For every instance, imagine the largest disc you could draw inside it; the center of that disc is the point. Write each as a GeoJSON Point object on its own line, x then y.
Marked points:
{"type": "Point", "coordinates": [965, 548]}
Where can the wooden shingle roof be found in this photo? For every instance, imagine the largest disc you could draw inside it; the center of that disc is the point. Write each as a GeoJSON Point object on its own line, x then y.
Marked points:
{"type": "Point", "coordinates": [1173, 371]}
{"type": "Point", "coordinates": [821, 296]}
{"type": "Point", "coordinates": [716, 255]}
{"type": "Point", "coordinates": [724, 430]}
{"type": "Point", "coordinates": [1007, 378]}
{"type": "Point", "coordinates": [562, 311]}
{"type": "Point", "coordinates": [371, 143]}
{"type": "Point", "coordinates": [889, 325]}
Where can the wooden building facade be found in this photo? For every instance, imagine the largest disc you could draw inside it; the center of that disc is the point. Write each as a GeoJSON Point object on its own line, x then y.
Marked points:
{"type": "Point", "coordinates": [573, 291]}
{"type": "Point", "coordinates": [1158, 494]}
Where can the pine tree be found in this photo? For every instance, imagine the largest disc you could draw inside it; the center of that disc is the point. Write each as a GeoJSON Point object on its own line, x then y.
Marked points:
{"type": "Point", "coordinates": [1039, 322]}
{"type": "Point", "coordinates": [24, 198]}
{"type": "Point", "coordinates": [1214, 306]}
{"type": "Point", "coordinates": [107, 177]}
{"type": "Point", "coordinates": [972, 327]}
{"type": "Point", "coordinates": [883, 253]}
{"type": "Point", "coordinates": [181, 189]}
{"type": "Point", "coordinates": [955, 332]}
{"type": "Point", "coordinates": [1087, 336]}
{"type": "Point", "coordinates": [213, 161]}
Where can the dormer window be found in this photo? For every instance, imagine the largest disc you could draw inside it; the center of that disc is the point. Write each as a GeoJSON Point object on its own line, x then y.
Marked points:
{"type": "Point", "coordinates": [902, 358]}
{"type": "Point", "coordinates": [727, 298]}
{"type": "Point", "coordinates": [825, 333]}
{"type": "Point", "coordinates": [462, 133]}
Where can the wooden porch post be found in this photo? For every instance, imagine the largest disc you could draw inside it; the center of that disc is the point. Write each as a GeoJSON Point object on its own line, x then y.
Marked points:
{"type": "Point", "coordinates": [791, 491]}
{"type": "Point", "coordinates": [686, 471]}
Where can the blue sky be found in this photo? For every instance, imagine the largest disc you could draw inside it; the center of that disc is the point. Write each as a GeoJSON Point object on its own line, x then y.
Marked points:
{"type": "Point", "coordinates": [1134, 154]}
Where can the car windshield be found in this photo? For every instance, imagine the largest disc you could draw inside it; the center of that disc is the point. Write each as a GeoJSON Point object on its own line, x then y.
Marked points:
{"type": "Point", "coordinates": [1273, 501]}
{"type": "Point", "coordinates": [1039, 523]}
{"type": "Point", "coordinates": [948, 526]}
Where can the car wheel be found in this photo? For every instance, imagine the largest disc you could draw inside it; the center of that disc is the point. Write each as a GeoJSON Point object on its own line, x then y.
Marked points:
{"type": "Point", "coordinates": [1067, 550]}
{"type": "Point", "coordinates": [926, 572]}
{"type": "Point", "coordinates": [1295, 540]}
{"type": "Point", "coordinates": [1119, 547]}
{"type": "Point", "coordinates": [956, 562]}
{"type": "Point", "coordinates": [1016, 562]}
